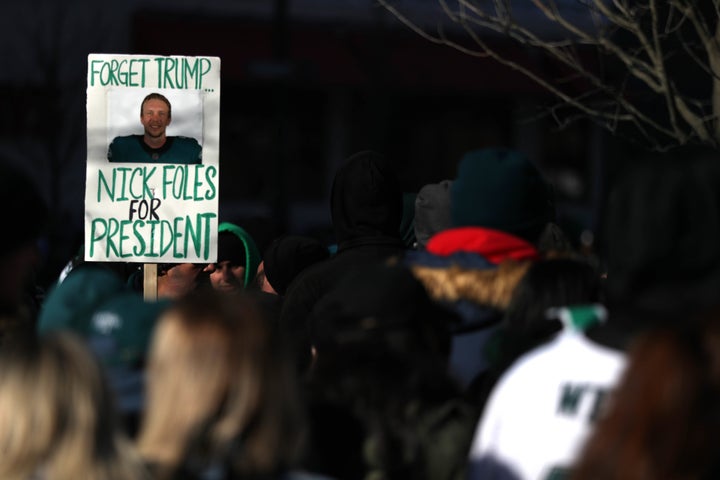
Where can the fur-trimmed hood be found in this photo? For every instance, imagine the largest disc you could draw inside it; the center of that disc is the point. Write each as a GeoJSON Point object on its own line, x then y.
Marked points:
{"type": "Point", "coordinates": [491, 287]}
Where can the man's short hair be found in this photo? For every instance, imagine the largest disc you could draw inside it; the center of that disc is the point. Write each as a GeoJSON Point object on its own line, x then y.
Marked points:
{"type": "Point", "coordinates": [156, 96]}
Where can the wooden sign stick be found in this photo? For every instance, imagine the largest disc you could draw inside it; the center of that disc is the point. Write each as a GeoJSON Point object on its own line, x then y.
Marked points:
{"type": "Point", "coordinates": [150, 282]}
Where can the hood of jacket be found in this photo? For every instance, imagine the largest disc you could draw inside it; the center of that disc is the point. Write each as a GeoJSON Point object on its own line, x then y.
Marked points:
{"type": "Point", "coordinates": [252, 255]}
{"type": "Point", "coordinates": [490, 287]}
{"type": "Point", "coordinates": [493, 245]}
{"type": "Point", "coordinates": [366, 200]}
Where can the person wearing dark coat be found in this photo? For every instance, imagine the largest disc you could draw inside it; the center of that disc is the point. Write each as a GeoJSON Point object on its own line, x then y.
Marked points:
{"type": "Point", "coordinates": [380, 401]}
{"type": "Point", "coordinates": [25, 217]}
{"type": "Point", "coordinates": [366, 207]}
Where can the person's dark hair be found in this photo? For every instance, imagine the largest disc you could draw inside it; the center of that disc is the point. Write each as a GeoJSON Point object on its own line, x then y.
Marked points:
{"type": "Point", "coordinates": [382, 347]}
{"type": "Point", "coordinates": [382, 305]}
{"type": "Point", "coordinates": [396, 399]}
{"type": "Point", "coordinates": [28, 219]}
{"type": "Point", "coordinates": [287, 256]}
{"type": "Point", "coordinates": [549, 283]}
{"type": "Point", "coordinates": [156, 96]}
{"type": "Point", "coordinates": [662, 235]}
{"type": "Point", "coordinates": [663, 420]}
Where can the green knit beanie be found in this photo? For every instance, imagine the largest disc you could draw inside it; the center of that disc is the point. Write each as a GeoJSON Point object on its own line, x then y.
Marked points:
{"type": "Point", "coordinates": [501, 189]}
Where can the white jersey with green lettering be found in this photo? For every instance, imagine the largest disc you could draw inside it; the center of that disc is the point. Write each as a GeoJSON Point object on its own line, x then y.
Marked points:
{"type": "Point", "coordinates": [541, 411]}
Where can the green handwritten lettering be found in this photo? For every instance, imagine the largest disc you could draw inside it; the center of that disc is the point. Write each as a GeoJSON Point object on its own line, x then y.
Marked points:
{"type": "Point", "coordinates": [96, 234]}
{"type": "Point", "coordinates": [139, 250]}
{"type": "Point", "coordinates": [103, 181]}
{"type": "Point", "coordinates": [210, 174]}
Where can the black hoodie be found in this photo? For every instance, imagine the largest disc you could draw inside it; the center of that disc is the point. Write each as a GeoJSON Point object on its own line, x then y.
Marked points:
{"type": "Point", "coordinates": [366, 205]}
{"type": "Point", "coordinates": [366, 202]}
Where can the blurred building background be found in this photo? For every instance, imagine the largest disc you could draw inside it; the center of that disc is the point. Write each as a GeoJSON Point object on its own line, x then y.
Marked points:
{"type": "Point", "coordinates": [305, 83]}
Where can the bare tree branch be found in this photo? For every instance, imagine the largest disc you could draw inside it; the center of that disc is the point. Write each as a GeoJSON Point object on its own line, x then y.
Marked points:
{"type": "Point", "coordinates": [687, 47]}
{"type": "Point", "coordinates": [653, 32]}
{"type": "Point", "coordinates": [642, 70]}
{"type": "Point", "coordinates": [714, 59]}
{"type": "Point", "coordinates": [664, 82]}
{"type": "Point", "coordinates": [710, 42]}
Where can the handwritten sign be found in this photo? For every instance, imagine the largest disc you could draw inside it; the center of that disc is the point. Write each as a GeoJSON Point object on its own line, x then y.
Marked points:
{"type": "Point", "coordinates": [152, 158]}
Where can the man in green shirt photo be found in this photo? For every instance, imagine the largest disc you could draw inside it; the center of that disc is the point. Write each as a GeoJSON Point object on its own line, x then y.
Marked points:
{"type": "Point", "coordinates": [155, 146]}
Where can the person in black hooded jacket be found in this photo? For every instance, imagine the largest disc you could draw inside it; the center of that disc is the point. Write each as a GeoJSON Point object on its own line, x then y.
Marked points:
{"type": "Point", "coordinates": [366, 207]}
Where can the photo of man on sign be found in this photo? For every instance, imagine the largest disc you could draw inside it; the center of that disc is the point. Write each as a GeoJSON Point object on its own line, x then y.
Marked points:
{"type": "Point", "coordinates": [154, 145]}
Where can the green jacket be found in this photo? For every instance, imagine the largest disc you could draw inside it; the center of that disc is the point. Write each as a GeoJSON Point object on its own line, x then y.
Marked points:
{"type": "Point", "coordinates": [132, 149]}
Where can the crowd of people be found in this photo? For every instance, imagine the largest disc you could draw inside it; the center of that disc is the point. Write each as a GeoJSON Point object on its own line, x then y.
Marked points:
{"type": "Point", "coordinates": [465, 338]}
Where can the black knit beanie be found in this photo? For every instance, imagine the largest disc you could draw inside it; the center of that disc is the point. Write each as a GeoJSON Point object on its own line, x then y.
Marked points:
{"type": "Point", "coordinates": [381, 303]}
{"type": "Point", "coordinates": [231, 248]}
{"type": "Point", "coordinates": [287, 256]}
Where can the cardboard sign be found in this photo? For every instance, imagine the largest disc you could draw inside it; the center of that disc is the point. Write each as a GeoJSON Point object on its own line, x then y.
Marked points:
{"type": "Point", "coordinates": [153, 135]}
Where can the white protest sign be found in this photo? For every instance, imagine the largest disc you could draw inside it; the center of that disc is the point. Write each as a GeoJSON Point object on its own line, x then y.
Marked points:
{"type": "Point", "coordinates": [153, 135]}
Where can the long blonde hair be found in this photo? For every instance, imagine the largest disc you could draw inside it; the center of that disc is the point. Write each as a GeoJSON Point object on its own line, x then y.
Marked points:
{"type": "Point", "coordinates": [216, 371]}
{"type": "Point", "coordinates": [56, 415]}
